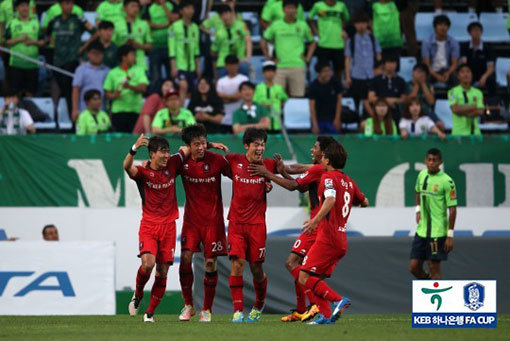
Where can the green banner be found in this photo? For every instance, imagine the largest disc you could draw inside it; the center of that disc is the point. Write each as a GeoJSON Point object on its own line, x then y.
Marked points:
{"type": "Point", "coordinates": [67, 170]}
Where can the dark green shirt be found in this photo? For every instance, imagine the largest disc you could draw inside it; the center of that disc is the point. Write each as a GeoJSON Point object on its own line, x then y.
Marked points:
{"type": "Point", "coordinates": [252, 115]}
{"type": "Point", "coordinates": [67, 35]}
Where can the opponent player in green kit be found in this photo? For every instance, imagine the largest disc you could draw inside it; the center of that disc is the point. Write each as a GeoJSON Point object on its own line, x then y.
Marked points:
{"type": "Point", "coordinates": [435, 195]}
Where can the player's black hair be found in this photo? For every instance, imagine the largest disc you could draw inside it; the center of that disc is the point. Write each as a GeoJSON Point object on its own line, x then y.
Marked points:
{"type": "Point", "coordinates": [464, 65]}
{"type": "Point", "coordinates": [231, 59]}
{"type": "Point", "coordinates": [124, 50]}
{"type": "Point", "coordinates": [11, 92]}
{"type": "Point", "coordinates": [185, 3]}
{"type": "Point", "coordinates": [336, 154]}
{"type": "Point", "coordinates": [105, 25]}
{"type": "Point", "coordinates": [290, 2]}
{"type": "Point", "coordinates": [223, 8]}
{"type": "Point", "coordinates": [360, 16]}
{"type": "Point", "coordinates": [192, 132]}
{"type": "Point", "coordinates": [61, 1]}
{"type": "Point", "coordinates": [47, 227]}
{"type": "Point", "coordinates": [127, 2]}
{"type": "Point", "coordinates": [325, 141]}
{"type": "Point", "coordinates": [96, 46]}
{"type": "Point", "coordinates": [156, 143]}
{"type": "Point", "coordinates": [435, 152]}
{"type": "Point", "coordinates": [248, 84]}
{"type": "Point", "coordinates": [390, 59]}
{"type": "Point", "coordinates": [473, 25]}
{"type": "Point", "coordinates": [19, 2]}
{"type": "Point", "coordinates": [441, 19]}
{"type": "Point", "coordinates": [321, 65]}
{"type": "Point", "coordinates": [421, 67]}
{"type": "Point", "coordinates": [253, 134]}
{"type": "Point", "coordinates": [91, 93]}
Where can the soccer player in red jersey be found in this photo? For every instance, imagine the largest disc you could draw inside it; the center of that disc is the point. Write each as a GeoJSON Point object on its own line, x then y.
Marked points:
{"type": "Point", "coordinates": [203, 218]}
{"type": "Point", "coordinates": [247, 223]}
{"type": "Point", "coordinates": [337, 194]}
{"type": "Point", "coordinates": [308, 181]}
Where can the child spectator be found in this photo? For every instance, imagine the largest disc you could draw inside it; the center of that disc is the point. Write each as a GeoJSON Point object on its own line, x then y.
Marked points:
{"type": "Point", "coordinates": [415, 122]}
{"type": "Point", "coordinates": [93, 120]}
{"type": "Point", "coordinates": [249, 115]}
{"type": "Point", "coordinates": [381, 123]}
{"type": "Point", "coordinates": [173, 118]}
{"type": "Point", "coordinates": [106, 31]}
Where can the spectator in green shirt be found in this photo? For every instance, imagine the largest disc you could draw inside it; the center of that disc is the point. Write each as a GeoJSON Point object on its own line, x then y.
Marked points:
{"type": "Point", "coordinates": [386, 26]}
{"type": "Point", "coordinates": [271, 95]}
{"type": "Point", "coordinates": [274, 11]}
{"type": "Point", "coordinates": [289, 36]}
{"type": "Point", "coordinates": [381, 123]}
{"type": "Point", "coordinates": [466, 103]}
{"type": "Point", "coordinates": [23, 36]}
{"type": "Point", "coordinates": [124, 87]}
{"type": "Point", "coordinates": [184, 49]}
{"type": "Point", "coordinates": [111, 10]}
{"type": "Point", "coordinates": [8, 12]}
{"type": "Point", "coordinates": [249, 115]}
{"type": "Point", "coordinates": [173, 118]}
{"type": "Point", "coordinates": [93, 120]}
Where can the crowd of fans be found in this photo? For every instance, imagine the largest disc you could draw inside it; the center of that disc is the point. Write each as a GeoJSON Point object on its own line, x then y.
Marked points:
{"type": "Point", "coordinates": [199, 66]}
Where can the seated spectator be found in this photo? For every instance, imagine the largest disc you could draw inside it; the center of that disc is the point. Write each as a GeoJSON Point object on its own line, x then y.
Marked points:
{"type": "Point", "coordinates": [325, 101]}
{"type": "Point", "coordinates": [441, 52]}
{"type": "Point", "coordinates": [50, 233]}
{"type": "Point", "coordinates": [228, 88]}
{"type": "Point", "coordinates": [386, 27]}
{"type": "Point", "coordinates": [151, 106]}
{"type": "Point", "coordinates": [362, 52]}
{"type": "Point", "coordinates": [249, 115]}
{"type": "Point", "coordinates": [207, 107]}
{"type": "Point", "coordinates": [466, 103]}
{"type": "Point", "coordinates": [389, 86]}
{"type": "Point", "coordinates": [381, 123]}
{"type": "Point", "coordinates": [106, 31]}
{"type": "Point", "coordinates": [173, 118]}
{"type": "Point", "coordinates": [90, 75]}
{"type": "Point", "coordinates": [14, 120]}
{"type": "Point", "coordinates": [289, 36]}
{"type": "Point", "coordinates": [234, 38]}
{"type": "Point", "coordinates": [124, 86]}
{"type": "Point", "coordinates": [479, 58]}
{"type": "Point", "coordinates": [416, 122]}
{"type": "Point", "coordinates": [93, 120]}
{"type": "Point", "coordinates": [23, 36]}
{"type": "Point", "coordinates": [271, 95]}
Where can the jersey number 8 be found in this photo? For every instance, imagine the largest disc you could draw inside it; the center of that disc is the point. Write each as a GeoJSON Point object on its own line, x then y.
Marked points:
{"type": "Point", "coordinates": [347, 201]}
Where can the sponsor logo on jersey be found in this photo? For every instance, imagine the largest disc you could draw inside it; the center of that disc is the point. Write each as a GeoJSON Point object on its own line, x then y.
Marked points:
{"type": "Point", "coordinates": [255, 181]}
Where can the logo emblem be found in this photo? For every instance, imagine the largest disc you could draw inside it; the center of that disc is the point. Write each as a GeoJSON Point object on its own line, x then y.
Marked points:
{"type": "Point", "coordinates": [167, 173]}
{"type": "Point", "coordinates": [240, 165]}
{"type": "Point", "coordinates": [328, 183]}
{"type": "Point", "coordinates": [151, 174]}
{"type": "Point", "coordinates": [140, 246]}
{"type": "Point", "coordinates": [186, 166]}
{"type": "Point", "coordinates": [435, 298]}
{"type": "Point", "coordinates": [206, 168]}
{"type": "Point", "coordinates": [474, 294]}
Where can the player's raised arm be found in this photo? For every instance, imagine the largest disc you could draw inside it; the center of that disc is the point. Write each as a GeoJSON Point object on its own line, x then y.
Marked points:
{"type": "Point", "coordinates": [128, 161]}
{"type": "Point", "coordinates": [261, 170]}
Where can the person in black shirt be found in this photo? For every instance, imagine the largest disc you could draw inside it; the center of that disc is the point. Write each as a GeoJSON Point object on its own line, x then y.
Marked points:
{"type": "Point", "coordinates": [207, 106]}
{"type": "Point", "coordinates": [325, 101]}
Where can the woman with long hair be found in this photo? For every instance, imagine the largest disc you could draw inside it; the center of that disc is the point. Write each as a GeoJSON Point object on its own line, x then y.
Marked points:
{"type": "Point", "coordinates": [381, 123]}
{"type": "Point", "coordinates": [415, 122]}
{"type": "Point", "coordinates": [207, 106]}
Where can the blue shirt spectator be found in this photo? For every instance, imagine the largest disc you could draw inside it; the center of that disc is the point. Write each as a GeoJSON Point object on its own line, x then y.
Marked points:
{"type": "Point", "coordinates": [363, 59]}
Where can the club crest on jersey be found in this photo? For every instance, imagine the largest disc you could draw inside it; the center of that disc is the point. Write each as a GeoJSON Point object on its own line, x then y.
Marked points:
{"type": "Point", "coordinates": [167, 173]}
{"type": "Point", "coordinates": [435, 188]}
{"type": "Point", "coordinates": [328, 183]}
{"type": "Point", "coordinates": [206, 168]}
{"type": "Point", "coordinates": [303, 175]}
{"type": "Point", "coordinates": [240, 165]}
{"type": "Point", "coordinates": [151, 174]}
{"type": "Point", "coordinates": [186, 166]}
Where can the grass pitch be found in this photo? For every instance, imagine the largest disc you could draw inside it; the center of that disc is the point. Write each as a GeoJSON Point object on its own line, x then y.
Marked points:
{"type": "Point", "coordinates": [167, 327]}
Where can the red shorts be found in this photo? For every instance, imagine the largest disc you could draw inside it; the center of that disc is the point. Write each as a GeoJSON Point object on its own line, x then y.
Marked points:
{"type": "Point", "coordinates": [323, 258]}
{"type": "Point", "coordinates": [247, 241]}
{"type": "Point", "coordinates": [303, 244]}
{"type": "Point", "coordinates": [158, 240]}
{"type": "Point", "coordinates": [212, 238]}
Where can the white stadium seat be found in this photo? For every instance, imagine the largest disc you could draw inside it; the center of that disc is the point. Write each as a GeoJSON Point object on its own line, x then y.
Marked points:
{"type": "Point", "coordinates": [495, 27]}
{"type": "Point", "coordinates": [423, 25]}
{"type": "Point", "coordinates": [406, 68]}
{"type": "Point", "coordinates": [296, 114]}
{"type": "Point", "coordinates": [442, 110]}
{"type": "Point", "coordinates": [502, 67]}
{"type": "Point", "coordinates": [460, 23]}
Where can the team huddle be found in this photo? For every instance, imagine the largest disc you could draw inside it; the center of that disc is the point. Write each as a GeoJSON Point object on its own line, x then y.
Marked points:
{"type": "Point", "coordinates": [313, 256]}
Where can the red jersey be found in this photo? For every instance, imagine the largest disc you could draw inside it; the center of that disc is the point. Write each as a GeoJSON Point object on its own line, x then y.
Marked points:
{"type": "Point", "coordinates": [248, 203]}
{"type": "Point", "coordinates": [202, 184]}
{"type": "Point", "coordinates": [311, 180]}
{"type": "Point", "coordinates": [339, 185]}
{"type": "Point", "coordinates": [157, 189]}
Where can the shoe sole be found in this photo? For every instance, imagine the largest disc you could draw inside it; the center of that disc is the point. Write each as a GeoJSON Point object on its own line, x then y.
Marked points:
{"type": "Point", "coordinates": [309, 317]}
{"type": "Point", "coordinates": [132, 311]}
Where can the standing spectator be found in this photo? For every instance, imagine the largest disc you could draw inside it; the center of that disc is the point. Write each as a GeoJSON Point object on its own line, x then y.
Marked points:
{"type": "Point", "coordinates": [55, 10]}
{"type": "Point", "coordinates": [289, 36]}
{"type": "Point", "coordinates": [331, 16]}
{"type": "Point", "coordinates": [407, 22]}
{"type": "Point", "coordinates": [390, 87]}
{"type": "Point", "coordinates": [110, 57]}
{"type": "Point", "coordinates": [93, 120]}
{"type": "Point", "coordinates": [274, 10]}
{"type": "Point", "coordinates": [65, 31]}
{"type": "Point", "coordinates": [271, 95]}
{"type": "Point", "coordinates": [134, 31]}
{"type": "Point", "coordinates": [381, 123]}
{"type": "Point", "coordinates": [441, 52]}
{"type": "Point", "coordinates": [479, 58]}
{"type": "Point", "coordinates": [173, 118]}
{"type": "Point", "coordinates": [110, 10]}
{"type": "Point", "coordinates": [124, 86]}
{"type": "Point", "coordinates": [24, 37]}
{"type": "Point", "coordinates": [90, 75]}
{"type": "Point", "coordinates": [466, 103]}
{"type": "Point", "coordinates": [228, 88]}
{"type": "Point", "coordinates": [325, 101]}
{"type": "Point", "coordinates": [232, 38]}
{"type": "Point", "coordinates": [207, 106]}
{"type": "Point", "coordinates": [184, 51]}
{"type": "Point", "coordinates": [50, 233]}
{"type": "Point", "coordinates": [14, 120]}
{"type": "Point", "coordinates": [151, 106]}
{"type": "Point", "coordinates": [161, 16]}
{"type": "Point", "coordinates": [416, 122]}
{"type": "Point", "coordinates": [249, 115]}
{"type": "Point", "coordinates": [361, 55]}
{"type": "Point", "coordinates": [8, 11]}
{"type": "Point", "coordinates": [386, 26]}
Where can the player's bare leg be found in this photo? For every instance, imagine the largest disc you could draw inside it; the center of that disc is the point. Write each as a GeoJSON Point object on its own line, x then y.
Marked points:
{"type": "Point", "coordinates": [416, 268]}
{"type": "Point", "coordinates": [293, 265]}
{"type": "Point", "coordinates": [186, 280]}
{"type": "Point", "coordinates": [260, 286]}
{"type": "Point", "coordinates": [435, 269]}
{"type": "Point", "coordinates": [210, 282]}
{"type": "Point", "coordinates": [157, 292]}
{"type": "Point", "coordinates": [143, 275]}
{"type": "Point", "coordinates": [236, 287]}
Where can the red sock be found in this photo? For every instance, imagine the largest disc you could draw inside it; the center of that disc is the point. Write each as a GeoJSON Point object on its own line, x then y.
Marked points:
{"type": "Point", "coordinates": [295, 272]}
{"type": "Point", "coordinates": [300, 298]}
{"type": "Point", "coordinates": [186, 279]}
{"type": "Point", "coordinates": [323, 304]}
{"type": "Point", "coordinates": [158, 290]}
{"type": "Point", "coordinates": [210, 281]}
{"type": "Point", "coordinates": [307, 292]}
{"type": "Point", "coordinates": [141, 280]}
{"type": "Point", "coordinates": [236, 289]}
{"type": "Point", "coordinates": [260, 293]}
{"type": "Point", "coordinates": [311, 296]}
{"type": "Point", "coordinates": [322, 290]}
